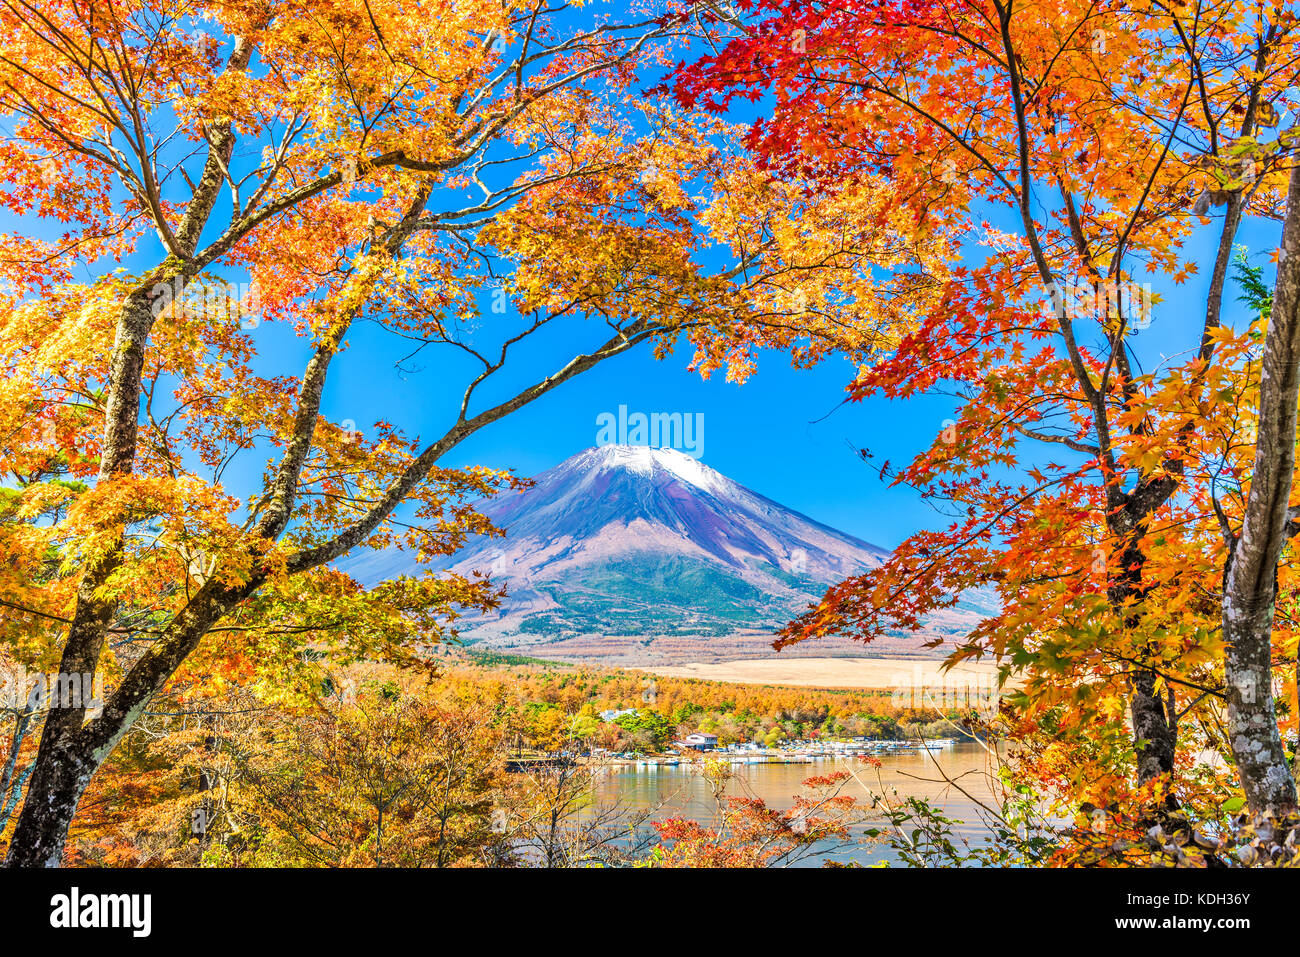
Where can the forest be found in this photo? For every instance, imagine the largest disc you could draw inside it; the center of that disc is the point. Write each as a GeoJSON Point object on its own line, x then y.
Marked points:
{"type": "Point", "coordinates": [1077, 221]}
{"type": "Point", "coordinates": [384, 769]}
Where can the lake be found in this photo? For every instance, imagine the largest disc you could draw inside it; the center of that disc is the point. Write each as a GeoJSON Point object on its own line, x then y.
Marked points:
{"type": "Point", "coordinates": [681, 790]}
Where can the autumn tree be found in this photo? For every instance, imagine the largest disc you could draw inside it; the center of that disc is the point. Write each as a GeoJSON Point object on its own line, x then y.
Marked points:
{"type": "Point", "coordinates": [382, 768]}
{"type": "Point", "coordinates": [1077, 153]}
{"type": "Point", "coordinates": [386, 779]}
{"type": "Point", "coordinates": [745, 832]}
{"type": "Point", "coordinates": [194, 183]}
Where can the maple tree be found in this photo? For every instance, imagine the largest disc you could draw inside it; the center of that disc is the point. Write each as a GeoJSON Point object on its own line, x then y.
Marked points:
{"type": "Point", "coordinates": [234, 177]}
{"type": "Point", "coordinates": [973, 198]}
{"type": "Point", "coordinates": [1130, 518]}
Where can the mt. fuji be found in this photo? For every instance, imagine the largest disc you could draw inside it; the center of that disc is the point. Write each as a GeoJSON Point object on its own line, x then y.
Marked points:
{"type": "Point", "coordinates": [639, 555]}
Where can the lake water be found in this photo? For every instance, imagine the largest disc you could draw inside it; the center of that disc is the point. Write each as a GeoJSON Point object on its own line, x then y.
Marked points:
{"type": "Point", "coordinates": [681, 790]}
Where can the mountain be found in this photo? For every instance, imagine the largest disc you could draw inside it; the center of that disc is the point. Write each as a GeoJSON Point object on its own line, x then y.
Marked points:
{"type": "Point", "coordinates": [637, 555]}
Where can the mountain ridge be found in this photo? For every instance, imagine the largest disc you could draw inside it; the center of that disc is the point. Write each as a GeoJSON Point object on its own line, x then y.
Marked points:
{"type": "Point", "coordinates": [638, 555]}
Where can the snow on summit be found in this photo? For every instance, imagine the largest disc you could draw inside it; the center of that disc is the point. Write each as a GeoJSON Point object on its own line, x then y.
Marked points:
{"type": "Point", "coordinates": [644, 459]}
{"type": "Point", "coordinates": [651, 552]}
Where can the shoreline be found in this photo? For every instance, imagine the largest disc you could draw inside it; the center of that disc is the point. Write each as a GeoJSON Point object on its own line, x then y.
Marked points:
{"type": "Point", "coordinates": [794, 754]}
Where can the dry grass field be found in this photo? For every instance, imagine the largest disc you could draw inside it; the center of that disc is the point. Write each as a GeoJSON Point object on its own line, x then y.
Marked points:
{"type": "Point", "coordinates": [863, 673]}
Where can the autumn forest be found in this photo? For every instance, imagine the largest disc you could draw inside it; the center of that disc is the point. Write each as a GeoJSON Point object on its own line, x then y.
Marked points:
{"type": "Point", "coordinates": [1075, 222]}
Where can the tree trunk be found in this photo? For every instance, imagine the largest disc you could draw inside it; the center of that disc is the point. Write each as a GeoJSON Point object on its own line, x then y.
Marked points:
{"type": "Point", "coordinates": [70, 753]}
{"type": "Point", "coordinates": [1251, 578]}
{"type": "Point", "coordinates": [1153, 728]}
{"type": "Point", "coordinates": [61, 772]}
{"type": "Point", "coordinates": [1155, 739]}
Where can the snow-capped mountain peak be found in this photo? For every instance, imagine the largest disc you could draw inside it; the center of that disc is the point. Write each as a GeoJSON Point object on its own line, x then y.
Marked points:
{"type": "Point", "coordinates": [645, 460]}
{"type": "Point", "coordinates": [625, 543]}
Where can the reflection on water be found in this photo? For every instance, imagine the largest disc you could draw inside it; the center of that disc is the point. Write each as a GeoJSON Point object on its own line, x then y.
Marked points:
{"type": "Point", "coordinates": [682, 792]}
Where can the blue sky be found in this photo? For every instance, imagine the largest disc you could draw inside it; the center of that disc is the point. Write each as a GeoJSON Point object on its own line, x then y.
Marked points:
{"type": "Point", "coordinates": [786, 433]}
